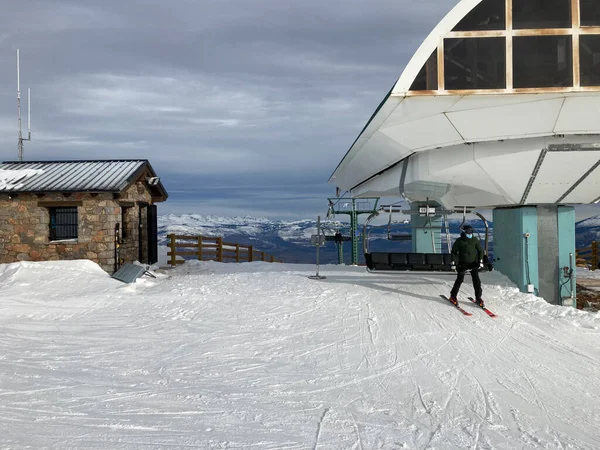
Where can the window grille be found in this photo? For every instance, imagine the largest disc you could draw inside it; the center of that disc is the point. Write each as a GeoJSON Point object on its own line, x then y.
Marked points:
{"type": "Point", "coordinates": [125, 222]}
{"type": "Point", "coordinates": [63, 223]}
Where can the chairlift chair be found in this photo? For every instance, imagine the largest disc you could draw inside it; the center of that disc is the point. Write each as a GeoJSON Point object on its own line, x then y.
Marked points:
{"type": "Point", "coordinates": [436, 263]}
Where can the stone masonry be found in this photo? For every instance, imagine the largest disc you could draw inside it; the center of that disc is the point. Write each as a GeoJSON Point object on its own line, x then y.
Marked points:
{"type": "Point", "coordinates": [25, 221]}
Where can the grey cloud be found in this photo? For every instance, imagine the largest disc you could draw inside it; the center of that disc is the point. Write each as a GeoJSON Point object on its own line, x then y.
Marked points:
{"type": "Point", "coordinates": [234, 90]}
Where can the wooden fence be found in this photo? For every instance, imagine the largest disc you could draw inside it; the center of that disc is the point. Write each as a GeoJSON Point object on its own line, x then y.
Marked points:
{"type": "Point", "coordinates": [588, 256]}
{"type": "Point", "coordinates": [206, 248]}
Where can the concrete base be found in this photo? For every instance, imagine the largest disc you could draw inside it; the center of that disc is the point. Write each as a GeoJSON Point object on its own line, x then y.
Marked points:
{"type": "Point", "coordinates": [533, 245]}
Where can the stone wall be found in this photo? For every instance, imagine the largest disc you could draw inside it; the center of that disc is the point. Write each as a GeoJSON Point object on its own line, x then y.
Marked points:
{"type": "Point", "coordinates": [129, 250]}
{"type": "Point", "coordinates": [25, 227]}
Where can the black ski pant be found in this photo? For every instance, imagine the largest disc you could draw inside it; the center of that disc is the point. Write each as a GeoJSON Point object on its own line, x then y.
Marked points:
{"type": "Point", "coordinates": [460, 277]}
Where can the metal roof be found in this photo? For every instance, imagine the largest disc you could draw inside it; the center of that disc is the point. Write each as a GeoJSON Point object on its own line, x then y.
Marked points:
{"type": "Point", "coordinates": [71, 176]}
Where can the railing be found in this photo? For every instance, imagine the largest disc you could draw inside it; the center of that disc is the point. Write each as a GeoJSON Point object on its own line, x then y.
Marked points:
{"type": "Point", "coordinates": [588, 256]}
{"type": "Point", "coordinates": [206, 248]}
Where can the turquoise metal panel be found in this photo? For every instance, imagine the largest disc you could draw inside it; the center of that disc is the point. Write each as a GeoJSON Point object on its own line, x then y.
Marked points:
{"type": "Point", "coordinates": [566, 252]}
{"type": "Point", "coordinates": [515, 255]}
{"type": "Point", "coordinates": [422, 229]}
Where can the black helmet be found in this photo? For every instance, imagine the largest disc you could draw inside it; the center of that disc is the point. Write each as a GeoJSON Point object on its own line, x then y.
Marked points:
{"type": "Point", "coordinates": [468, 229]}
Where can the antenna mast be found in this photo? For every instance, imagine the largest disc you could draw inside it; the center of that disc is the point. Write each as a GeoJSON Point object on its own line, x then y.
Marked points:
{"type": "Point", "coordinates": [21, 139]}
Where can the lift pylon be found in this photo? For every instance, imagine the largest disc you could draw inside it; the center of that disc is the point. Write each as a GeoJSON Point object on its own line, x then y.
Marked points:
{"type": "Point", "coordinates": [353, 207]}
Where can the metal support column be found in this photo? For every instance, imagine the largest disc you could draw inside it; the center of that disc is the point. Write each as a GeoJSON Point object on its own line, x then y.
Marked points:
{"type": "Point", "coordinates": [353, 207]}
{"type": "Point", "coordinates": [355, 235]}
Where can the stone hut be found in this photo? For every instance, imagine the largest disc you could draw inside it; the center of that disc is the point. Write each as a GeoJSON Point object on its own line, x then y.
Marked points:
{"type": "Point", "coordinates": [102, 210]}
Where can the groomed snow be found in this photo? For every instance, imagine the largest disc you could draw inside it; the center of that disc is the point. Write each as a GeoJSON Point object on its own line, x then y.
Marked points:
{"type": "Point", "coordinates": [258, 356]}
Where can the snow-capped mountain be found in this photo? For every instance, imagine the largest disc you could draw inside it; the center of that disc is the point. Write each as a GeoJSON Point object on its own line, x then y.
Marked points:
{"type": "Point", "coordinates": [290, 240]}
{"type": "Point", "coordinates": [287, 240]}
{"type": "Point", "coordinates": [587, 230]}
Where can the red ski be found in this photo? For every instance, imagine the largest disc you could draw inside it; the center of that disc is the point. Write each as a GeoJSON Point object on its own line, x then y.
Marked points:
{"type": "Point", "coordinates": [487, 311]}
{"type": "Point", "coordinates": [457, 307]}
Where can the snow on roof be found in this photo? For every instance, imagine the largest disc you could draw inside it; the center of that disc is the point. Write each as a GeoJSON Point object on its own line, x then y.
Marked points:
{"type": "Point", "coordinates": [13, 180]}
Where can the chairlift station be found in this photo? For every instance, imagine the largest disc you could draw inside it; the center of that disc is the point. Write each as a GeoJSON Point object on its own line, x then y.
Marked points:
{"type": "Point", "coordinates": [499, 108]}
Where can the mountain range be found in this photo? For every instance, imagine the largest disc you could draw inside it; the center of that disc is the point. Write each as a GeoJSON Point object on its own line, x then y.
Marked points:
{"type": "Point", "coordinates": [289, 241]}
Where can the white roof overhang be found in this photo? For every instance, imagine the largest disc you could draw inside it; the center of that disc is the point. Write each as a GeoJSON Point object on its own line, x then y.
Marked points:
{"type": "Point", "coordinates": [536, 170]}
{"type": "Point", "coordinates": [442, 122]}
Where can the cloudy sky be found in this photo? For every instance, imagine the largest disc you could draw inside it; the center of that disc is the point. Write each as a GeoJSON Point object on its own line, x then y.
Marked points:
{"type": "Point", "coordinates": [241, 106]}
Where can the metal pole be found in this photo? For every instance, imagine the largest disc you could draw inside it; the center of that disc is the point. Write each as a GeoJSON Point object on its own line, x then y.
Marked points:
{"type": "Point", "coordinates": [20, 144]}
{"type": "Point", "coordinates": [318, 244]}
{"type": "Point", "coordinates": [354, 228]}
{"type": "Point", "coordinates": [448, 233]}
{"type": "Point", "coordinates": [29, 113]}
{"type": "Point", "coordinates": [571, 280]}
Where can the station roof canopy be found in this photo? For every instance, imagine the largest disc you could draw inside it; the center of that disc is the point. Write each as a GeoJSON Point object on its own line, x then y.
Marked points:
{"type": "Point", "coordinates": [491, 71]}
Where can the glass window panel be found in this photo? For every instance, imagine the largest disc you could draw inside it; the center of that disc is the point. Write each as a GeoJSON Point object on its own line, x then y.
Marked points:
{"type": "Point", "coordinates": [542, 61]}
{"type": "Point", "coordinates": [532, 14]}
{"type": "Point", "coordinates": [475, 63]}
{"type": "Point", "coordinates": [488, 15]}
{"type": "Point", "coordinates": [589, 48]}
{"type": "Point", "coordinates": [590, 13]}
{"type": "Point", "coordinates": [427, 80]}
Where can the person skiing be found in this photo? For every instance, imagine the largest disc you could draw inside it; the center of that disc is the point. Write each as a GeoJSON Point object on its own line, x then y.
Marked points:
{"type": "Point", "coordinates": [467, 254]}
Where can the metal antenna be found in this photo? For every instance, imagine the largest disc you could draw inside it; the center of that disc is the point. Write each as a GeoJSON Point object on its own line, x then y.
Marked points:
{"type": "Point", "coordinates": [21, 139]}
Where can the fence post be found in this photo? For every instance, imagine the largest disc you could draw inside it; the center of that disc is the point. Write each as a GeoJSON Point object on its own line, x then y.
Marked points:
{"type": "Point", "coordinates": [237, 252]}
{"type": "Point", "coordinates": [272, 259]}
{"type": "Point", "coordinates": [200, 248]}
{"type": "Point", "coordinates": [172, 247]}
{"type": "Point", "coordinates": [262, 256]}
{"type": "Point", "coordinates": [594, 255]}
{"type": "Point", "coordinates": [220, 249]}
{"type": "Point", "coordinates": [250, 254]}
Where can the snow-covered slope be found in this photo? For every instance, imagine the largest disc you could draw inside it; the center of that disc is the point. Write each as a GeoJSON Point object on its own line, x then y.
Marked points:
{"type": "Point", "coordinates": [257, 355]}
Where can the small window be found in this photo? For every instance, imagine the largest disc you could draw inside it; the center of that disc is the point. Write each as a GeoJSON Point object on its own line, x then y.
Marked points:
{"type": "Point", "coordinates": [542, 61]}
{"type": "Point", "coordinates": [590, 13]}
{"type": "Point", "coordinates": [534, 14]}
{"type": "Point", "coordinates": [63, 223]}
{"type": "Point", "coordinates": [475, 63]}
{"type": "Point", "coordinates": [590, 60]}
{"type": "Point", "coordinates": [488, 15]}
{"type": "Point", "coordinates": [125, 221]}
{"type": "Point", "coordinates": [427, 79]}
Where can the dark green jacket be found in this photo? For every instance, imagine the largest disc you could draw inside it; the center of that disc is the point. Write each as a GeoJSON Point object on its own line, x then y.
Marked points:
{"type": "Point", "coordinates": [467, 251]}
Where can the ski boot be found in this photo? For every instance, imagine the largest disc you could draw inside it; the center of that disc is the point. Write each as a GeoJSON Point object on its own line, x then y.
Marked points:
{"type": "Point", "coordinates": [453, 300]}
{"type": "Point", "coordinates": [480, 303]}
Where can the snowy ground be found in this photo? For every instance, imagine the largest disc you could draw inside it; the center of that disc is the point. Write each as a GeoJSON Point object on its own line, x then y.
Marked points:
{"type": "Point", "coordinates": [257, 356]}
{"type": "Point", "coordinates": [583, 273]}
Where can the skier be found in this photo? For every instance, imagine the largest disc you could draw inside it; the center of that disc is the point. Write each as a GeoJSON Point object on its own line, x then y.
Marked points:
{"type": "Point", "coordinates": [467, 254]}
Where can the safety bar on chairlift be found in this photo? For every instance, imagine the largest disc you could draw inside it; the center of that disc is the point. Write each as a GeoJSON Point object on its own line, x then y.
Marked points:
{"type": "Point", "coordinates": [382, 208]}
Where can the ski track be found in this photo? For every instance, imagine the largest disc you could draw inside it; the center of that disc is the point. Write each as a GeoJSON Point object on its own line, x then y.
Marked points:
{"type": "Point", "coordinates": [259, 356]}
